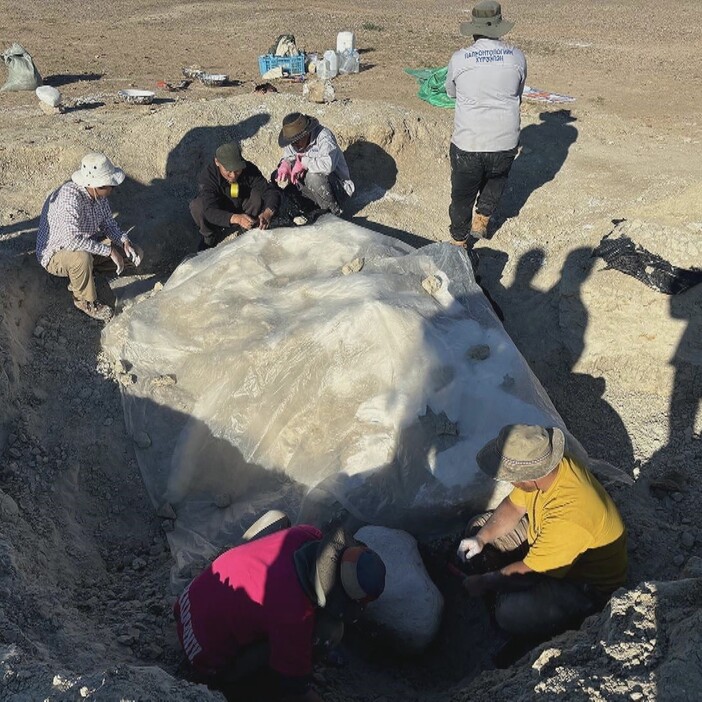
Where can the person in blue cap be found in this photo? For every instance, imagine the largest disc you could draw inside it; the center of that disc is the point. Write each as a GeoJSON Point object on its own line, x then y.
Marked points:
{"type": "Point", "coordinates": [265, 602]}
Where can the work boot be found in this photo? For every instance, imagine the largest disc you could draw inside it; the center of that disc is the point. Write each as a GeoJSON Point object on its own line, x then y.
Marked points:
{"type": "Point", "coordinates": [479, 226]}
{"type": "Point", "coordinates": [96, 309]}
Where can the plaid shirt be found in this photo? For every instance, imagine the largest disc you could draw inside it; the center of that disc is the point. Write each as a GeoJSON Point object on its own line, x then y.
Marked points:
{"type": "Point", "coordinates": [72, 220]}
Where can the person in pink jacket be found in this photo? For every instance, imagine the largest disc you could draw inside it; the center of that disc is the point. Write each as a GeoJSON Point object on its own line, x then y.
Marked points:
{"type": "Point", "coordinates": [264, 602]}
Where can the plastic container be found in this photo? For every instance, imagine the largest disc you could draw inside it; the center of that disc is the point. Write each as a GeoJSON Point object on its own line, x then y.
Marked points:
{"type": "Point", "coordinates": [345, 41]}
{"type": "Point", "coordinates": [349, 62]}
{"type": "Point", "coordinates": [292, 65]}
{"type": "Point", "coordinates": [332, 61]}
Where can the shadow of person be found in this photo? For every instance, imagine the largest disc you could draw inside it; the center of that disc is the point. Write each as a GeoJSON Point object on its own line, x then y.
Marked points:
{"type": "Point", "coordinates": [686, 395]}
{"type": "Point", "coordinates": [549, 328]}
{"type": "Point", "coordinates": [373, 172]}
{"type": "Point", "coordinates": [544, 149]}
{"type": "Point", "coordinates": [25, 232]}
{"type": "Point", "coordinates": [165, 227]}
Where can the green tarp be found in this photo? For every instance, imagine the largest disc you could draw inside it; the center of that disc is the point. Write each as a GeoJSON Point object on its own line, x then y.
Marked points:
{"type": "Point", "coordinates": [431, 86]}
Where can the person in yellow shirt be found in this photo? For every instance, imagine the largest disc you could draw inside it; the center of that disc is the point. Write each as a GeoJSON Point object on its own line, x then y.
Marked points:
{"type": "Point", "coordinates": [559, 528]}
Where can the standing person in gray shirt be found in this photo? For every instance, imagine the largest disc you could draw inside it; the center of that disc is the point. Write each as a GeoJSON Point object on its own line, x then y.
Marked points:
{"type": "Point", "coordinates": [487, 80]}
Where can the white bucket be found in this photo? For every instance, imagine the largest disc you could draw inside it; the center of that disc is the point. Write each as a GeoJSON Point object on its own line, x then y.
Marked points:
{"type": "Point", "coordinates": [345, 41]}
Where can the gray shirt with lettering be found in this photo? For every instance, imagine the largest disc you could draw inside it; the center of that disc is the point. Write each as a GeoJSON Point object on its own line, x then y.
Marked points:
{"type": "Point", "coordinates": [487, 80]}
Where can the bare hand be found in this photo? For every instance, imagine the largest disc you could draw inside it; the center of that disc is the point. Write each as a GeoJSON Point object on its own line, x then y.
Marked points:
{"type": "Point", "coordinates": [243, 220]}
{"type": "Point", "coordinates": [117, 259]}
{"type": "Point", "coordinates": [264, 219]}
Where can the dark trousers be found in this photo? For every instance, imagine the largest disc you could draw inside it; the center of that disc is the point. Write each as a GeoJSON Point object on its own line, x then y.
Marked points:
{"type": "Point", "coordinates": [536, 606]}
{"type": "Point", "coordinates": [481, 175]}
{"type": "Point", "coordinates": [211, 233]}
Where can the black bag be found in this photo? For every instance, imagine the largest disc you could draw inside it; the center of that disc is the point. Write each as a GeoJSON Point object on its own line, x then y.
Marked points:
{"type": "Point", "coordinates": [624, 255]}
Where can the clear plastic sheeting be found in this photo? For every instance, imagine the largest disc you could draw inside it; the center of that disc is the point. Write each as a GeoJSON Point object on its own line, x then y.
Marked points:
{"type": "Point", "coordinates": [315, 369]}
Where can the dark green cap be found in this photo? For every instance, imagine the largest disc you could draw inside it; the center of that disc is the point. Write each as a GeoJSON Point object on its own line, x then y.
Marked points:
{"type": "Point", "coordinates": [229, 155]}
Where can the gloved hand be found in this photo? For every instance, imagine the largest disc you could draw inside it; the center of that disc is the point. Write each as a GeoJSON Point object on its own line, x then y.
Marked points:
{"type": "Point", "coordinates": [298, 171]}
{"type": "Point", "coordinates": [284, 172]}
{"type": "Point", "coordinates": [469, 548]}
{"type": "Point", "coordinates": [117, 259]}
{"type": "Point", "coordinates": [134, 253]}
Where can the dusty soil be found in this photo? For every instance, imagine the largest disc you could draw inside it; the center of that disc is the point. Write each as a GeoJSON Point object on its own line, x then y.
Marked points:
{"type": "Point", "coordinates": [84, 582]}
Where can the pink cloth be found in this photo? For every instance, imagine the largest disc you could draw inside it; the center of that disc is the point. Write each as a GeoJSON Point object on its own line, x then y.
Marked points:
{"type": "Point", "coordinates": [250, 594]}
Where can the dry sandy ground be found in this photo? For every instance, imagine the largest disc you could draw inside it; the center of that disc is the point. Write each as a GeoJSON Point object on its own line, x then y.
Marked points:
{"type": "Point", "coordinates": [84, 599]}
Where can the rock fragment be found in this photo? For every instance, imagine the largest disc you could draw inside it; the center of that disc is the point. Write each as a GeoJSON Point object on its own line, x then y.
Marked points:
{"type": "Point", "coordinates": [354, 266]}
{"type": "Point", "coordinates": [479, 352]}
{"type": "Point", "coordinates": [432, 284]}
{"type": "Point", "coordinates": [166, 511]}
{"type": "Point", "coordinates": [142, 440]}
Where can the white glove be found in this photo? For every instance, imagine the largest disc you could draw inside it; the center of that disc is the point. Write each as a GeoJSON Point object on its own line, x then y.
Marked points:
{"type": "Point", "coordinates": [469, 548]}
{"type": "Point", "coordinates": [134, 252]}
{"type": "Point", "coordinates": [117, 259]}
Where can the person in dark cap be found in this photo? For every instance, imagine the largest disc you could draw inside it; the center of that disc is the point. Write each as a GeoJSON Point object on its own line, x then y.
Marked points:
{"type": "Point", "coordinates": [313, 163]}
{"type": "Point", "coordinates": [233, 196]}
{"type": "Point", "coordinates": [558, 535]}
{"type": "Point", "coordinates": [487, 79]}
{"type": "Point", "coordinates": [274, 601]}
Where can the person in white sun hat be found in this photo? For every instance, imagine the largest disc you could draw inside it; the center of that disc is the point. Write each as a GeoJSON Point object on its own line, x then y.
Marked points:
{"type": "Point", "coordinates": [78, 235]}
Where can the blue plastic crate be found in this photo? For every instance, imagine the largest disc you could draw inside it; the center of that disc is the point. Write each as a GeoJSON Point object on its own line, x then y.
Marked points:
{"type": "Point", "coordinates": [292, 65]}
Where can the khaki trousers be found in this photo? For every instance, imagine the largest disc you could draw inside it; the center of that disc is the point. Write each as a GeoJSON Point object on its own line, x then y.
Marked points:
{"type": "Point", "coordinates": [78, 267]}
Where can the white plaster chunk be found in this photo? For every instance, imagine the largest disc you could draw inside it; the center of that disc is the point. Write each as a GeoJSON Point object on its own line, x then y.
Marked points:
{"type": "Point", "coordinates": [48, 95]}
{"type": "Point", "coordinates": [409, 610]}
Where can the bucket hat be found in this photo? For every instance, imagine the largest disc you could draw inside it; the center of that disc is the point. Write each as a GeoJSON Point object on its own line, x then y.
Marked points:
{"type": "Point", "coordinates": [487, 21]}
{"type": "Point", "coordinates": [97, 171]}
{"type": "Point", "coordinates": [341, 571]}
{"type": "Point", "coordinates": [522, 452]}
{"type": "Point", "coordinates": [229, 155]}
{"type": "Point", "coordinates": [295, 127]}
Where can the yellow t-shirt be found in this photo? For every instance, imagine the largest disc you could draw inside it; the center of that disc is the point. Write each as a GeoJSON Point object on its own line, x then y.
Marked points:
{"type": "Point", "coordinates": [575, 530]}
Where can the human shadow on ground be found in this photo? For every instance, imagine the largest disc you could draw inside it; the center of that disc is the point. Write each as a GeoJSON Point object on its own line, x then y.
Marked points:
{"type": "Point", "coordinates": [25, 235]}
{"type": "Point", "coordinates": [549, 329]}
{"type": "Point", "coordinates": [686, 396]}
{"type": "Point", "coordinates": [160, 209]}
{"type": "Point", "coordinates": [671, 476]}
{"type": "Point", "coordinates": [373, 171]}
{"type": "Point", "coordinates": [544, 150]}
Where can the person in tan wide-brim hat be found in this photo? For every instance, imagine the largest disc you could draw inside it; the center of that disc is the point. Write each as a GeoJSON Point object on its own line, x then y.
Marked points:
{"type": "Point", "coordinates": [78, 235]}
{"type": "Point", "coordinates": [555, 547]}
{"type": "Point", "coordinates": [313, 169]}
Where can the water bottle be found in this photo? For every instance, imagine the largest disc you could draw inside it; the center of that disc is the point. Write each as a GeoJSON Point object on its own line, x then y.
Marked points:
{"type": "Point", "coordinates": [349, 61]}
{"type": "Point", "coordinates": [332, 61]}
